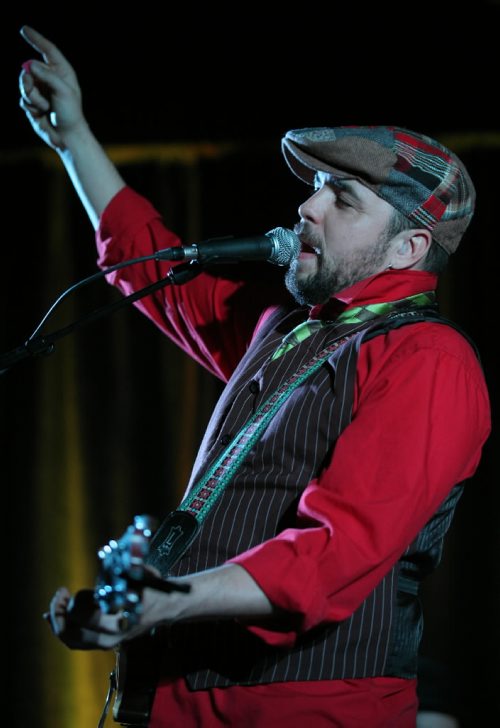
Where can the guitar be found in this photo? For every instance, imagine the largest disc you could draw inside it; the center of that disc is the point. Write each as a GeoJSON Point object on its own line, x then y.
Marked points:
{"type": "Point", "coordinates": [123, 574]}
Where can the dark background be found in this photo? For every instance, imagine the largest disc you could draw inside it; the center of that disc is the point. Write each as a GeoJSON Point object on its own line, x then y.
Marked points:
{"type": "Point", "coordinates": [184, 76]}
{"type": "Point", "coordinates": [168, 73]}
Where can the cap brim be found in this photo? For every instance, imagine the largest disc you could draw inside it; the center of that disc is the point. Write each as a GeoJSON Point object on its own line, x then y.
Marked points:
{"type": "Point", "coordinates": [305, 166]}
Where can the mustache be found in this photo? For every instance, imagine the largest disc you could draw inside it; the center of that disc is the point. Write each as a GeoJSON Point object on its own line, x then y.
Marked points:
{"type": "Point", "coordinates": [308, 236]}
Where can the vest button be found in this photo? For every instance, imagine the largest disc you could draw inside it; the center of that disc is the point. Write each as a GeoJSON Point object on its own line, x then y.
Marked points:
{"type": "Point", "coordinates": [254, 387]}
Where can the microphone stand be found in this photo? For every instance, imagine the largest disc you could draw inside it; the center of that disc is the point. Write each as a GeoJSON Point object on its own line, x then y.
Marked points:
{"type": "Point", "coordinates": [44, 344]}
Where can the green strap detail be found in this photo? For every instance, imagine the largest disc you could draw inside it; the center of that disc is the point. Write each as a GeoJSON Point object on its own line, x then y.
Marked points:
{"type": "Point", "coordinates": [359, 314]}
{"type": "Point", "coordinates": [356, 315]}
{"type": "Point", "coordinates": [297, 335]}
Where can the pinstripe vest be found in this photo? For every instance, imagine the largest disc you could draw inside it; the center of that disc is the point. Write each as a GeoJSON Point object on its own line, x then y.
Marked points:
{"type": "Point", "coordinates": [382, 636]}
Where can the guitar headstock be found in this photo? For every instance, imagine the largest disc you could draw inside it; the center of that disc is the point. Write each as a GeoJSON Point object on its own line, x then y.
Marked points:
{"type": "Point", "coordinates": [122, 570]}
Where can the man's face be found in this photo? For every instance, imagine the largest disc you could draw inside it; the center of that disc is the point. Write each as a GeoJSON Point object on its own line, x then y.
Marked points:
{"type": "Point", "coordinates": [342, 230]}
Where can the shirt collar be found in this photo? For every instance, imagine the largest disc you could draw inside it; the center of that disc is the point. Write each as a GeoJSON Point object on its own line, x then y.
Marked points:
{"type": "Point", "coordinates": [389, 285]}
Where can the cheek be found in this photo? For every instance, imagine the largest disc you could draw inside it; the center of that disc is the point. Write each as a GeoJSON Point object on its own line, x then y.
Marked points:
{"type": "Point", "coordinates": [339, 240]}
{"type": "Point", "coordinates": [347, 237]}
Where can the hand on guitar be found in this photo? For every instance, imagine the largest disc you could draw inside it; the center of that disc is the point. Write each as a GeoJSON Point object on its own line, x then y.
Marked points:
{"type": "Point", "coordinates": [128, 600]}
{"type": "Point", "coordinates": [79, 623]}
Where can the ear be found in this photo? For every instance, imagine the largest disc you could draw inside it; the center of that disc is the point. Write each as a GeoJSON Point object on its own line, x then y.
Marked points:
{"type": "Point", "coordinates": [410, 247]}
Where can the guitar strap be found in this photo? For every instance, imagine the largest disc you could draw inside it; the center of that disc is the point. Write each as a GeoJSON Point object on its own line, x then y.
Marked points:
{"type": "Point", "coordinates": [181, 526]}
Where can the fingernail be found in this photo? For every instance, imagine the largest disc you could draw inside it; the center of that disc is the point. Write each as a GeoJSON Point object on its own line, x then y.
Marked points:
{"type": "Point", "coordinates": [26, 66]}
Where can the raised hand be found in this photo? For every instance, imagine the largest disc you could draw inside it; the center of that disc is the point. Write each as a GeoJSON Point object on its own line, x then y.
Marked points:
{"type": "Point", "coordinates": [50, 93]}
{"type": "Point", "coordinates": [52, 101]}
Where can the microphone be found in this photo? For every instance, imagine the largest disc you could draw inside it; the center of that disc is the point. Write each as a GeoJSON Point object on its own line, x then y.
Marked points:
{"type": "Point", "coordinates": [279, 246]}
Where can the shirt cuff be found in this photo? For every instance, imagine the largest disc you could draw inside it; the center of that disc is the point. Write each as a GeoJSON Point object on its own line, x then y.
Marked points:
{"type": "Point", "coordinates": [300, 600]}
{"type": "Point", "coordinates": [125, 215]}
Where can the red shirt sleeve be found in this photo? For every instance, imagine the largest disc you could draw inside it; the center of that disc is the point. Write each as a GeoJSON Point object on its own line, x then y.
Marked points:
{"type": "Point", "coordinates": [211, 318]}
{"type": "Point", "coordinates": [420, 418]}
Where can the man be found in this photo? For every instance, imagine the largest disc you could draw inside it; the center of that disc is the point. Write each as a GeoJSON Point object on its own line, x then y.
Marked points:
{"type": "Point", "coordinates": [304, 573]}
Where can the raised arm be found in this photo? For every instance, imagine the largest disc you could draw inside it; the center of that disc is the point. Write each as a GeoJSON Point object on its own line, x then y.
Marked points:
{"type": "Point", "coordinates": [51, 99]}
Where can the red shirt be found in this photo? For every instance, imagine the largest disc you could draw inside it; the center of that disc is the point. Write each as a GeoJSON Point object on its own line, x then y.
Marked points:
{"type": "Point", "coordinates": [421, 416]}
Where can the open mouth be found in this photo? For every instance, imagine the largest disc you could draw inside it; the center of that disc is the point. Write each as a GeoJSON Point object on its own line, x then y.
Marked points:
{"type": "Point", "coordinates": [307, 250]}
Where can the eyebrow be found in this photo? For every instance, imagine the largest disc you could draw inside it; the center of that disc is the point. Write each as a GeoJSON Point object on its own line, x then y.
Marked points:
{"type": "Point", "coordinates": [341, 184]}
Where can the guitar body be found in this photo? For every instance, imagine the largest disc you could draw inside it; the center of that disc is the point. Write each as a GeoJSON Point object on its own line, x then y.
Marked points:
{"type": "Point", "coordinates": [137, 666]}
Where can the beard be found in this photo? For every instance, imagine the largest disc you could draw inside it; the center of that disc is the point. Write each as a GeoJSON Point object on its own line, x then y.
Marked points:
{"type": "Point", "coordinates": [333, 274]}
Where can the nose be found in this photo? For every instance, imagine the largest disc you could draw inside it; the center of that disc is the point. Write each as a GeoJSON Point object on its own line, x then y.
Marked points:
{"type": "Point", "coordinates": [313, 208]}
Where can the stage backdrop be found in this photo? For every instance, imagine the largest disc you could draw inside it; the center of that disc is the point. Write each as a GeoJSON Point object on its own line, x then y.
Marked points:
{"type": "Point", "coordinates": [107, 426]}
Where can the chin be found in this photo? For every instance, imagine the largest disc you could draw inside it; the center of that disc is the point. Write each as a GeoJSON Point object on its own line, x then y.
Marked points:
{"type": "Point", "coordinates": [311, 287]}
{"type": "Point", "coordinates": [306, 268]}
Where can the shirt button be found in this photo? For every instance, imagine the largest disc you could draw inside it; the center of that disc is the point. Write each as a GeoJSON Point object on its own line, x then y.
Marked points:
{"type": "Point", "coordinates": [254, 387]}
{"type": "Point", "coordinates": [226, 439]}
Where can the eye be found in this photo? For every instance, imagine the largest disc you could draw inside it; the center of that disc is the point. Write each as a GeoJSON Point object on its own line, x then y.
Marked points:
{"type": "Point", "coordinates": [341, 201]}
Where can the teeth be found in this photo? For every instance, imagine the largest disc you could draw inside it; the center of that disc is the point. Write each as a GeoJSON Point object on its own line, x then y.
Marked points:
{"type": "Point", "coordinates": [308, 247]}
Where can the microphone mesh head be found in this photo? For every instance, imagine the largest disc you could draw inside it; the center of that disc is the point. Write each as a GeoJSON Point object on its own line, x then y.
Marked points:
{"type": "Point", "coordinates": [286, 246]}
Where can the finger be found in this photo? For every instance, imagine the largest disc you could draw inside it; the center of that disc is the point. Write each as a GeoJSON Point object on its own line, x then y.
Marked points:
{"type": "Point", "coordinates": [101, 640]}
{"type": "Point", "coordinates": [152, 570]}
{"type": "Point", "coordinates": [59, 83]}
{"type": "Point", "coordinates": [108, 623]}
{"type": "Point", "coordinates": [49, 51]}
{"type": "Point", "coordinates": [33, 97]}
{"type": "Point", "coordinates": [44, 125]}
{"type": "Point", "coordinates": [25, 85]}
{"type": "Point", "coordinates": [117, 625]}
{"type": "Point", "coordinates": [58, 609]}
{"type": "Point", "coordinates": [60, 600]}
{"type": "Point", "coordinates": [26, 66]}
{"type": "Point", "coordinates": [33, 112]}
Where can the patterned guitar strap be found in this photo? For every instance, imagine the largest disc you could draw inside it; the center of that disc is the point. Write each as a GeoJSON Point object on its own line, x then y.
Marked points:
{"type": "Point", "coordinates": [181, 526]}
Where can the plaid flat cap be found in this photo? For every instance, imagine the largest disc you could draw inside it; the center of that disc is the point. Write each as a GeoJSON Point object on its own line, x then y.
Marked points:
{"type": "Point", "coordinates": [415, 174]}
